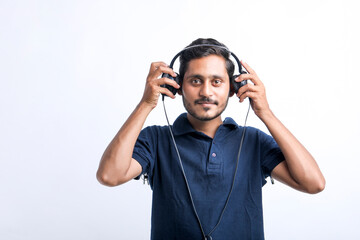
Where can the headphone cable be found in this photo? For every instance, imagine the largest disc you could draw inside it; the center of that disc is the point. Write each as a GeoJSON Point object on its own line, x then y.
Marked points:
{"type": "Point", "coordinates": [187, 183]}
{"type": "Point", "coordinates": [183, 172]}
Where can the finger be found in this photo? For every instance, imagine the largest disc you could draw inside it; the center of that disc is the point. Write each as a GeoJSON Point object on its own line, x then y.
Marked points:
{"type": "Point", "coordinates": [252, 77]}
{"type": "Point", "coordinates": [247, 94]}
{"type": "Point", "coordinates": [247, 67]}
{"type": "Point", "coordinates": [243, 96]}
{"type": "Point", "coordinates": [164, 69]}
{"type": "Point", "coordinates": [248, 87]}
{"type": "Point", "coordinates": [242, 90]}
{"type": "Point", "coordinates": [155, 65]}
{"type": "Point", "coordinates": [153, 73]}
{"type": "Point", "coordinates": [168, 81]}
{"type": "Point", "coordinates": [244, 76]}
{"type": "Point", "coordinates": [166, 92]}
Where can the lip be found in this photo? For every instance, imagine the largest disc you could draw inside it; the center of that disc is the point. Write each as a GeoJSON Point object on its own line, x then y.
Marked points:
{"type": "Point", "coordinates": [206, 104]}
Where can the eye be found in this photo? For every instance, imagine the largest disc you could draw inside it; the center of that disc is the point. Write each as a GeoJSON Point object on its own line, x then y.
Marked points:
{"type": "Point", "coordinates": [195, 81]}
{"type": "Point", "coordinates": [217, 82]}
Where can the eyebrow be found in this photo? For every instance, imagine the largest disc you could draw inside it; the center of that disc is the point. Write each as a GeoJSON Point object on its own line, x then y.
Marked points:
{"type": "Point", "coordinates": [202, 77]}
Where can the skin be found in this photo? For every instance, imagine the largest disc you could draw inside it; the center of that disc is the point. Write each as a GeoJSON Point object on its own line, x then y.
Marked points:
{"type": "Point", "coordinates": [299, 170]}
{"type": "Point", "coordinates": [205, 92]}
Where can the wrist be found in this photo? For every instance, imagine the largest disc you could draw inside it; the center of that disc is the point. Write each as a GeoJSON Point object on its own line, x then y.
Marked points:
{"type": "Point", "coordinates": [265, 115]}
{"type": "Point", "coordinates": [145, 106]}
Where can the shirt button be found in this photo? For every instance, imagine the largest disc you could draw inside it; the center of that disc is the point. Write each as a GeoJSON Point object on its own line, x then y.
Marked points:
{"type": "Point", "coordinates": [213, 154]}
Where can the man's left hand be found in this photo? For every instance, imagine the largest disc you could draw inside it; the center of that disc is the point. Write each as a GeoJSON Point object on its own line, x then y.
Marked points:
{"type": "Point", "coordinates": [256, 91]}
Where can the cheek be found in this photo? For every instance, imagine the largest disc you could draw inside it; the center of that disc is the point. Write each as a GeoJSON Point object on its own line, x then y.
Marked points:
{"type": "Point", "coordinates": [224, 92]}
{"type": "Point", "coordinates": [188, 92]}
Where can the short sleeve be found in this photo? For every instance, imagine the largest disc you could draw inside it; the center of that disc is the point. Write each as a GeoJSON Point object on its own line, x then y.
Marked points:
{"type": "Point", "coordinates": [144, 151]}
{"type": "Point", "coordinates": [271, 154]}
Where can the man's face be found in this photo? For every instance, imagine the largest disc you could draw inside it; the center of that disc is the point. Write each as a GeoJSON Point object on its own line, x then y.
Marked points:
{"type": "Point", "coordinates": [206, 87]}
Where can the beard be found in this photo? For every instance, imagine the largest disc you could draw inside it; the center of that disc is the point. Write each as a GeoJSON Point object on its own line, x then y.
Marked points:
{"type": "Point", "coordinates": [204, 117]}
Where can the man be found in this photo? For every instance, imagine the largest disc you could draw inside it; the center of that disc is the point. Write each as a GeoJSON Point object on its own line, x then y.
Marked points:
{"type": "Point", "coordinates": [208, 147]}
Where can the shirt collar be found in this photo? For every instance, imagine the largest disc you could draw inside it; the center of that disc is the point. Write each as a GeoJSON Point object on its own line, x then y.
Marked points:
{"type": "Point", "coordinates": [230, 123]}
{"type": "Point", "coordinates": [182, 125]}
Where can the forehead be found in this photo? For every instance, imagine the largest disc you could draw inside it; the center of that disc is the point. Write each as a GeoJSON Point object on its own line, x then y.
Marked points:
{"type": "Point", "coordinates": [209, 65]}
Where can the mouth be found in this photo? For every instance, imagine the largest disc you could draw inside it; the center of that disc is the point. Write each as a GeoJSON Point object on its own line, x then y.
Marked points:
{"type": "Point", "coordinates": [206, 102]}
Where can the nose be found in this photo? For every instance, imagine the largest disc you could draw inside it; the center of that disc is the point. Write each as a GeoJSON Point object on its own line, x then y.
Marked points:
{"type": "Point", "coordinates": [206, 89]}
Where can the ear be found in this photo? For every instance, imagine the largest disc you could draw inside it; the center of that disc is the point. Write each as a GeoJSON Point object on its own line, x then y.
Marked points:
{"type": "Point", "coordinates": [232, 86]}
{"type": "Point", "coordinates": [179, 91]}
{"type": "Point", "coordinates": [179, 81]}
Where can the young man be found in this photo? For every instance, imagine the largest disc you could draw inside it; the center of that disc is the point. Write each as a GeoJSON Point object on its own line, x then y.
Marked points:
{"type": "Point", "coordinates": [208, 148]}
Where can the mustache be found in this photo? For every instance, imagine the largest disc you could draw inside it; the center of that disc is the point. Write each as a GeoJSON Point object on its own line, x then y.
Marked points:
{"type": "Point", "coordinates": [206, 100]}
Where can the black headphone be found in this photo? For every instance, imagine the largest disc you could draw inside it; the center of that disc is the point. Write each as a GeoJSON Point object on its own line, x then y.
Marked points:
{"type": "Point", "coordinates": [234, 86]}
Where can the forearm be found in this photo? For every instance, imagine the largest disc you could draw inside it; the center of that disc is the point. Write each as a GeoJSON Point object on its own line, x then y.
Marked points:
{"type": "Point", "coordinates": [300, 169]}
{"type": "Point", "coordinates": [117, 165]}
{"type": "Point", "coordinates": [117, 158]}
{"type": "Point", "coordinates": [301, 165]}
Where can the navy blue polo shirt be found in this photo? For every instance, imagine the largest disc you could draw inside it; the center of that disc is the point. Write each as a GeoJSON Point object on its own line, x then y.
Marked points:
{"type": "Point", "coordinates": [209, 164]}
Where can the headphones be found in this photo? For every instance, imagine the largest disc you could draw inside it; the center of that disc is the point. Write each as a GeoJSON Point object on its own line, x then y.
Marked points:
{"type": "Point", "coordinates": [234, 86]}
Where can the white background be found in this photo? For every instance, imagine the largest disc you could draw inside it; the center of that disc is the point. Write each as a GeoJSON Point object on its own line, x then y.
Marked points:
{"type": "Point", "coordinates": [72, 71]}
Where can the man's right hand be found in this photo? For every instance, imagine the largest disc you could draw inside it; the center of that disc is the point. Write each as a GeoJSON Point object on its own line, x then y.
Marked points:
{"type": "Point", "coordinates": [117, 165]}
{"type": "Point", "coordinates": [153, 81]}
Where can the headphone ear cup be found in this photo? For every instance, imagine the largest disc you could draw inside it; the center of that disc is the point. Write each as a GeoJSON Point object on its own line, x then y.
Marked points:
{"type": "Point", "coordinates": [235, 86]}
{"type": "Point", "coordinates": [178, 81]}
{"type": "Point", "coordinates": [171, 88]}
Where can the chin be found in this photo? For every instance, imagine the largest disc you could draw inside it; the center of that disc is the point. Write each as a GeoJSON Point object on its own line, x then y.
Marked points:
{"type": "Point", "coordinates": [205, 116]}
{"type": "Point", "coordinates": [204, 113]}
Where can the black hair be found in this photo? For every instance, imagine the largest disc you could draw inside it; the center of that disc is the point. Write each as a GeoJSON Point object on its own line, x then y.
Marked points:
{"type": "Point", "coordinates": [203, 51]}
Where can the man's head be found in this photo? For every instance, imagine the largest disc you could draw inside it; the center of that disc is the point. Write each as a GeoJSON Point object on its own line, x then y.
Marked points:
{"type": "Point", "coordinates": [198, 52]}
{"type": "Point", "coordinates": [205, 74]}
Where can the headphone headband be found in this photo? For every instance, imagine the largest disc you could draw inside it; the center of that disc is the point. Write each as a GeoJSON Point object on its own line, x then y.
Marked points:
{"type": "Point", "coordinates": [234, 85]}
{"type": "Point", "coordinates": [206, 45]}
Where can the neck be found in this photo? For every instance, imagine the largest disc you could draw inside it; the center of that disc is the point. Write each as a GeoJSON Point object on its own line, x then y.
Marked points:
{"type": "Point", "coordinates": [207, 127]}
